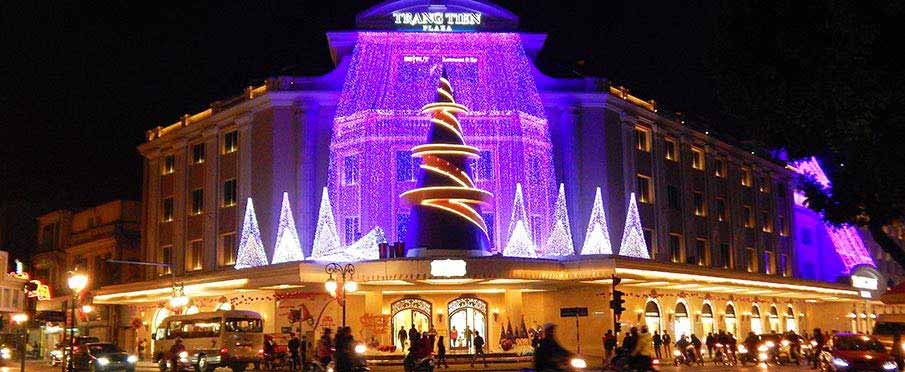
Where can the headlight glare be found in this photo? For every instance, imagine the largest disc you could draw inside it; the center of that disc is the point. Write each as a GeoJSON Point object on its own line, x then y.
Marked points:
{"type": "Point", "coordinates": [890, 365]}
{"type": "Point", "coordinates": [578, 363]}
{"type": "Point", "coordinates": [132, 359]}
{"type": "Point", "coordinates": [103, 361]}
{"type": "Point", "coordinates": [839, 362]}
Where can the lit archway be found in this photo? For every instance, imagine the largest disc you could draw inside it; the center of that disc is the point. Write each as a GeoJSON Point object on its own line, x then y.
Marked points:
{"type": "Point", "coordinates": [791, 322]}
{"type": "Point", "coordinates": [707, 318]}
{"type": "Point", "coordinates": [731, 320]}
{"type": "Point", "coordinates": [409, 313]}
{"type": "Point", "coordinates": [467, 318]}
{"type": "Point", "coordinates": [773, 317]}
{"type": "Point", "coordinates": [757, 325]}
{"type": "Point", "coordinates": [682, 320]}
{"type": "Point", "coordinates": [652, 316]}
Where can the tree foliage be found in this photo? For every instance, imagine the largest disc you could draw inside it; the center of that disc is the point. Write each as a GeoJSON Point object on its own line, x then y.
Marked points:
{"type": "Point", "coordinates": [823, 78]}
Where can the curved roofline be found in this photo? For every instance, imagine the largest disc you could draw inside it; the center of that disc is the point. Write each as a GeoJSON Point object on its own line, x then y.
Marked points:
{"type": "Point", "coordinates": [485, 7]}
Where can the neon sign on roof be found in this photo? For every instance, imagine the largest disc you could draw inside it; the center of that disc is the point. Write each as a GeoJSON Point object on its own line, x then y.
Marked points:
{"type": "Point", "coordinates": [846, 239]}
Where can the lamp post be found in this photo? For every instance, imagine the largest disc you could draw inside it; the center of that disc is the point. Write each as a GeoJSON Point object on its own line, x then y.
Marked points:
{"type": "Point", "coordinates": [77, 283]}
{"type": "Point", "coordinates": [349, 285]}
{"type": "Point", "coordinates": [20, 320]}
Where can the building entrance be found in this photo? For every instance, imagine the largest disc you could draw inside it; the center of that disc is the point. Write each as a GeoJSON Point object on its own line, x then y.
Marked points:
{"type": "Point", "coordinates": [467, 318]}
{"type": "Point", "coordinates": [409, 313]}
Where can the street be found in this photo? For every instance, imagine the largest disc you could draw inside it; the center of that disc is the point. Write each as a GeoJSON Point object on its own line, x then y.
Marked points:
{"type": "Point", "coordinates": [34, 366]}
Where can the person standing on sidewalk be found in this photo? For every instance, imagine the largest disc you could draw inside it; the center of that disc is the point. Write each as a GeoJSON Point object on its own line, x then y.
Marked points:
{"type": "Point", "coordinates": [293, 346]}
{"type": "Point", "coordinates": [478, 343]}
{"type": "Point", "coordinates": [667, 343]}
{"type": "Point", "coordinates": [441, 353]}
{"type": "Point", "coordinates": [658, 342]}
{"type": "Point", "coordinates": [609, 344]}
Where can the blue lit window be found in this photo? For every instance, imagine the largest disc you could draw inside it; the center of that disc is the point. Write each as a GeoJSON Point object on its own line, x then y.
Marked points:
{"type": "Point", "coordinates": [350, 170]}
{"type": "Point", "coordinates": [352, 231]}
{"type": "Point", "coordinates": [402, 221]}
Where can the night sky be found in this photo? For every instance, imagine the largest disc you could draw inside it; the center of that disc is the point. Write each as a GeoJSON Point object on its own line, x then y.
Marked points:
{"type": "Point", "coordinates": [81, 82]}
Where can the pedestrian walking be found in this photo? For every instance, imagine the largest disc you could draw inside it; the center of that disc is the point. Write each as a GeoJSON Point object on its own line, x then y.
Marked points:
{"type": "Point", "coordinates": [478, 343]}
{"type": "Point", "coordinates": [402, 336]}
{"type": "Point", "coordinates": [609, 344]}
{"type": "Point", "coordinates": [441, 353]}
{"type": "Point", "coordinates": [294, 345]}
{"type": "Point", "coordinates": [710, 341]}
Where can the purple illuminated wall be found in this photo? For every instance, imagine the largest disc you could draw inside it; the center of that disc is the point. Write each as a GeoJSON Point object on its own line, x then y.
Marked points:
{"type": "Point", "coordinates": [390, 77]}
{"type": "Point", "coordinates": [813, 237]}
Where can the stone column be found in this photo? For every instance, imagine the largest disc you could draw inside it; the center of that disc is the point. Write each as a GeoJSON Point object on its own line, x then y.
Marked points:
{"type": "Point", "coordinates": [211, 197]}
{"type": "Point", "coordinates": [180, 180]}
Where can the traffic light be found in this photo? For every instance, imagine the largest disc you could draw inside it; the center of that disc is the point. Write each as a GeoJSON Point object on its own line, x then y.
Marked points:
{"type": "Point", "coordinates": [617, 327]}
{"type": "Point", "coordinates": [617, 302]}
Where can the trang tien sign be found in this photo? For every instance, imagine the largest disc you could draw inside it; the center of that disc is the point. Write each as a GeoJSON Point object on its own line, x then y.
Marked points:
{"type": "Point", "coordinates": [448, 268]}
{"type": "Point", "coordinates": [864, 282]}
{"type": "Point", "coordinates": [437, 21]}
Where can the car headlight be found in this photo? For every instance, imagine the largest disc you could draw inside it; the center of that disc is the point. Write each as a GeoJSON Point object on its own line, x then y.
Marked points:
{"type": "Point", "coordinates": [839, 362]}
{"type": "Point", "coordinates": [578, 363]}
{"type": "Point", "coordinates": [132, 359]}
{"type": "Point", "coordinates": [890, 365]}
{"type": "Point", "coordinates": [360, 348]}
{"type": "Point", "coordinates": [103, 361]}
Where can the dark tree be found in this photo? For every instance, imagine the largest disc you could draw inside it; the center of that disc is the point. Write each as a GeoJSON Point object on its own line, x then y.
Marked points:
{"type": "Point", "coordinates": [823, 78]}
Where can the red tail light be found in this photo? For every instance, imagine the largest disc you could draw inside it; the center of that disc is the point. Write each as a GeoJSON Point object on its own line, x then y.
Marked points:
{"type": "Point", "coordinates": [224, 351]}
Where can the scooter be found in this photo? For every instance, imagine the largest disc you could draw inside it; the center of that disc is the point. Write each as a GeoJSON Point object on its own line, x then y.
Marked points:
{"type": "Point", "coordinates": [746, 356]}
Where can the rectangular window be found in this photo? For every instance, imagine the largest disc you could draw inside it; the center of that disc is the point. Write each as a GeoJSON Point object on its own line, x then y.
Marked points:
{"type": "Point", "coordinates": [406, 166]}
{"type": "Point", "coordinates": [194, 255]}
{"type": "Point", "coordinates": [672, 150]}
{"type": "Point", "coordinates": [482, 168]}
{"type": "Point", "coordinates": [780, 190]}
{"type": "Point", "coordinates": [645, 192]}
{"type": "Point", "coordinates": [231, 142]}
{"type": "Point", "coordinates": [642, 138]}
{"type": "Point", "coordinates": [725, 253]}
{"type": "Point", "coordinates": [766, 223]}
{"type": "Point", "coordinates": [748, 216]}
{"type": "Point", "coordinates": [198, 153]}
{"type": "Point", "coordinates": [675, 248]}
{"type": "Point", "coordinates": [167, 213]}
{"type": "Point", "coordinates": [764, 184]}
{"type": "Point", "coordinates": [402, 223]}
{"type": "Point", "coordinates": [702, 246]}
{"type": "Point", "coordinates": [230, 194]}
{"type": "Point", "coordinates": [672, 197]}
{"type": "Point", "coordinates": [745, 177]}
{"type": "Point", "coordinates": [769, 263]}
{"type": "Point", "coordinates": [700, 208]}
{"type": "Point", "coordinates": [227, 250]}
{"type": "Point", "coordinates": [165, 257]}
{"type": "Point", "coordinates": [197, 201]}
{"type": "Point", "coordinates": [352, 230]}
{"type": "Point", "coordinates": [781, 225]}
{"type": "Point", "coordinates": [720, 205]}
{"type": "Point", "coordinates": [350, 170]}
{"type": "Point", "coordinates": [719, 167]}
{"type": "Point", "coordinates": [751, 257]}
{"type": "Point", "coordinates": [169, 165]}
{"type": "Point", "coordinates": [781, 268]}
{"type": "Point", "coordinates": [697, 158]}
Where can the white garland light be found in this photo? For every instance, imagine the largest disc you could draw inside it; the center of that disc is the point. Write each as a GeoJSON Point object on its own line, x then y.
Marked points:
{"type": "Point", "coordinates": [251, 249]}
{"type": "Point", "coordinates": [288, 248]}
{"type": "Point", "coordinates": [365, 249]}
{"type": "Point", "coordinates": [633, 244]}
{"type": "Point", "coordinates": [326, 238]}
{"type": "Point", "coordinates": [559, 243]}
{"type": "Point", "coordinates": [520, 243]}
{"type": "Point", "coordinates": [597, 238]}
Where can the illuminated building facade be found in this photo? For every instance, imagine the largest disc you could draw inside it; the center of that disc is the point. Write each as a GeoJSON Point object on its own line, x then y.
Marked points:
{"type": "Point", "coordinates": [702, 231]}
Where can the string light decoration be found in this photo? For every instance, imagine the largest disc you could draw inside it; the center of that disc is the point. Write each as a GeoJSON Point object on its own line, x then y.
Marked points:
{"type": "Point", "coordinates": [597, 238]}
{"type": "Point", "coordinates": [364, 249]}
{"type": "Point", "coordinates": [847, 242]}
{"type": "Point", "coordinates": [326, 239]}
{"type": "Point", "coordinates": [287, 247]}
{"type": "Point", "coordinates": [446, 213]}
{"type": "Point", "coordinates": [377, 122]}
{"type": "Point", "coordinates": [520, 243]}
{"type": "Point", "coordinates": [251, 249]}
{"type": "Point", "coordinates": [633, 244]}
{"type": "Point", "coordinates": [559, 243]}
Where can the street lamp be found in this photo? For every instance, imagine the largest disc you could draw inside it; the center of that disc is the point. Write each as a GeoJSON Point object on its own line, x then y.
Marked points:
{"type": "Point", "coordinates": [21, 319]}
{"type": "Point", "coordinates": [77, 283]}
{"type": "Point", "coordinates": [349, 285]}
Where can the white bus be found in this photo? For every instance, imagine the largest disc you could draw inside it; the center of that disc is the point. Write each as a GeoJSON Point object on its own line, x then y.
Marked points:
{"type": "Point", "coordinates": [231, 339]}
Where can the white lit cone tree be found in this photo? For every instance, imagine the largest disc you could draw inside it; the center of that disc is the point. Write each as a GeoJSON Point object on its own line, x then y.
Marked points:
{"type": "Point", "coordinates": [287, 248]}
{"type": "Point", "coordinates": [633, 244]}
{"type": "Point", "coordinates": [251, 248]}
{"type": "Point", "coordinates": [366, 248]}
{"type": "Point", "coordinates": [559, 243]}
{"type": "Point", "coordinates": [326, 238]}
{"type": "Point", "coordinates": [520, 243]}
{"type": "Point", "coordinates": [597, 238]}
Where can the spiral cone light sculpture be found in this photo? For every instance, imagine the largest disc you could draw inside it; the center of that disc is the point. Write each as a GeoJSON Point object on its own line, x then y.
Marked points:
{"type": "Point", "coordinates": [446, 213]}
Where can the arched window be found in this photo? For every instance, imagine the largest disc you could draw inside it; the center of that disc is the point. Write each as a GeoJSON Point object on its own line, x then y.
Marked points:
{"type": "Point", "coordinates": [773, 317]}
{"type": "Point", "coordinates": [467, 318]}
{"type": "Point", "coordinates": [652, 316]}
{"type": "Point", "coordinates": [409, 313]}
{"type": "Point", "coordinates": [682, 322]}
{"type": "Point", "coordinates": [757, 325]}
{"type": "Point", "coordinates": [730, 319]}
{"type": "Point", "coordinates": [707, 318]}
{"type": "Point", "coordinates": [791, 322]}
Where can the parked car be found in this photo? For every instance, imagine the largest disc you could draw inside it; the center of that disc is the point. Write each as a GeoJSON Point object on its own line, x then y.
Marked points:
{"type": "Point", "coordinates": [856, 352]}
{"type": "Point", "coordinates": [102, 356]}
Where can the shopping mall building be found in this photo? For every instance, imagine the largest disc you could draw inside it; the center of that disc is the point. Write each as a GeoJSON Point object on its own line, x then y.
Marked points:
{"type": "Point", "coordinates": [250, 199]}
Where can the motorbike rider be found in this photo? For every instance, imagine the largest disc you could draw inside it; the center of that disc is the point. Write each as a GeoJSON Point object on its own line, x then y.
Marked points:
{"type": "Point", "coordinates": [643, 352]}
{"type": "Point", "coordinates": [343, 357]}
{"type": "Point", "coordinates": [794, 346]}
{"type": "Point", "coordinates": [550, 356]}
{"type": "Point", "coordinates": [325, 348]}
{"type": "Point", "coordinates": [683, 346]}
{"type": "Point", "coordinates": [177, 348]}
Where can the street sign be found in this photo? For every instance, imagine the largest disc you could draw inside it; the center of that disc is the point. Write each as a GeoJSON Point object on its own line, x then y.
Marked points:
{"type": "Point", "coordinates": [569, 312]}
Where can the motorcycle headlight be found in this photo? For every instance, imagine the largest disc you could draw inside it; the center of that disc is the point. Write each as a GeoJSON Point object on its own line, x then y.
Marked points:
{"type": "Point", "coordinates": [762, 348]}
{"type": "Point", "coordinates": [770, 344]}
{"type": "Point", "coordinates": [132, 359]}
{"type": "Point", "coordinates": [742, 349]}
{"type": "Point", "coordinates": [890, 365]}
{"type": "Point", "coordinates": [360, 348]}
{"type": "Point", "coordinates": [103, 361]}
{"type": "Point", "coordinates": [839, 362]}
{"type": "Point", "coordinates": [676, 352]}
{"type": "Point", "coordinates": [578, 363]}
{"type": "Point", "coordinates": [57, 353]}
{"type": "Point", "coordinates": [785, 342]}
{"type": "Point", "coordinates": [184, 355]}
{"type": "Point", "coordinates": [763, 356]}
